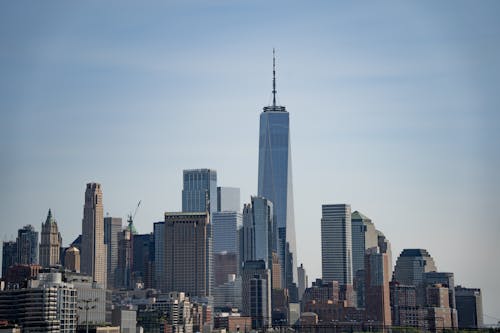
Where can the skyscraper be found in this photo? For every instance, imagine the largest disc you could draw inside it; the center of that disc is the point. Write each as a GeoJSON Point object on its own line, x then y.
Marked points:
{"type": "Point", "coordinates": [27, 245]}
{"type": "Point", "coordinates": [275, 181]}
{"type": "Point", "coordinates": [256, 293]}
{"type": "Point", "coordinates": [410, 268]}
{"type": "Point", "coordinates": [228, 199]}
{"type": "Point", "coordinates": [470, 307]}
{"type": "Point", "coordinates": [112, 230]}
{"type": "Point", "coordinates": [93, 251]}
{"type": "Point", "coordinates": [364, 236]}
{"type": "Point", "coordinates": [159, 255]}
{"type": "Point", "coordinates": [225, 231]}
{"type": "Point", "coordinates": [378, 307]}
{"type": "Point", "coordinates": [51, 242]}
{"type": "Point", "coordinates": [336, 248]}
{"type": "Point", "coordinates": [186, 258]}
{"type": "Point", "coordinates": [199, 192]}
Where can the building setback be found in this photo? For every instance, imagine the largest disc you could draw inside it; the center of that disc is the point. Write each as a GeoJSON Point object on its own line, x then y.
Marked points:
{"type": "Point", "coordinates": [93, 249]}
{"type": "Point", "coordinates": [50, 243]}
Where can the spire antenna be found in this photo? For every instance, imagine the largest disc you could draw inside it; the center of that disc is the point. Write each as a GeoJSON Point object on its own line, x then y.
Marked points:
{"type": "Point", "coordinates": [274, 78]}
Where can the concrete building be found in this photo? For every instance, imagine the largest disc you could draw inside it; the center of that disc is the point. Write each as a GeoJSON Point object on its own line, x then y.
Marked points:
{"type": "Point", "coordinates": [228, 199]}
{"type": "Point", "coordinates": [112, 230]}
{"type": "Point", "coordinates": [93, 251]}
{"type": "Point", "coordinates": [92, 294]}
{"type": "Point", "coordinates": [50, 245]}
{"type": "Point", "coordinates": [46, 305]}
{"type": "Point", "coordinates": [72, 259]}
{"type": "Point", "coordinates": [377, 300]}
{"type": "Point", "coordinates": [187, 262]}
{"type": "Point", "coordinates": [410, 268]}
{"type": "Point", "coordinates": [123, 278]}
{"type": "Point", "coordinates": [256, 294]}
{"type": "Point", "coordinates": [445, 279]}
{"type": "Point", "coordinates": [336, 243]}
{"type": "Point", "coordinates": [9, 255]}
{"type": "Point", "coordinates": [469, 307]}
{"type": "Point", "coordinates": [126, 319]}
{"type": "Point", "coordinates": [275, 184]}
{"type": "Point", "coordinates": [27, 246]}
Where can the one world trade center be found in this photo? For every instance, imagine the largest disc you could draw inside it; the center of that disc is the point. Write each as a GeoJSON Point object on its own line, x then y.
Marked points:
{"type": "Point", "coordinates": [275, 184]}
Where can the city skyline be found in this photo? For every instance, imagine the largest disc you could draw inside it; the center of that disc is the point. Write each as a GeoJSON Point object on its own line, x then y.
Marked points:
{"type": "Point", "coordinates": [402, 125]}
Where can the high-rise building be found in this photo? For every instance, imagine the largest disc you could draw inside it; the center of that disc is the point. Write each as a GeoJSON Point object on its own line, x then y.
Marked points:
{"type": "Point", "coordinates": [256, 294]}
{"type": "Point", "coordinates": [302, 280]}
{"type": "Point", "coordinates": [124, 265]}
{"type": "Point", "coordinates": [93, 251]}
{"type": "Point", "coordinates": [199, 192]}
{"type": "Point", "coordinates": [51, 242]}
{"type": "Point", "coordinates": [259, 231]}
{"type": "Point", "coordinates": [410, 268]}
{"type": "Point", "coordinates": [275, 181]}
{"type": "Point", "coordinates": [159, 256]}
{"type": "Point", "coordinates": [27, 245]}
{"type": "Point", "coordinates": [72, 259]}
{"type": "Point", "coordinates": [445, 279]}
{"type": "Point", "coordinates": [112, 230]}
{"type": "Point", "coordinates": [364, 237]}
{"type": "Point", "coordinates": [378, 307]}
{"type": "Point", "coordinates": [228, 199]}
{"type": "Point", "coordinates": [143, 258]}
{"type": "Point", "coordinates": [226, 263]}
{"type": "Point", "coordinates": [9, 256]}
{"type": "Point", "coordinates": [225, 226]}
{"type": "Point", "coordinates": [186, 258]}
{"type": "Point", "coordinates": [336, 248]}
{"type": "Point", "coordinates": [469, 307]}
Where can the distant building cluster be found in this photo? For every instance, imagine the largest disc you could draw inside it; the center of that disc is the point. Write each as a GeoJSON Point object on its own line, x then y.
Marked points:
{"type": "Point", "coordinates": [219, 266]}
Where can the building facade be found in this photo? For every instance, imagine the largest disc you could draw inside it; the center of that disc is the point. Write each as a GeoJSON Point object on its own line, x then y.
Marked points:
{"type": "Point", "coordinates": [112, 230]}
{"type": "Point", "coordinates": [256, 293]}
{"type": "Point", "coordinates": [27, 246]}
{"type": "Point", "coordinates": [186, 259]}
{"type": "Point", "coordinates": [378, 305]}
{"type": "Point", "coordinates": [9, 255]}
{"type": "Point", "coordinates": [50, 245]}
{"type": "Point", "coordinates": [199, 192]}
{"type": "Point", "coordinates": [228, 199]}
{"type": "Point", "coordinates": [72, 259]}
{"type": "Point", "coordinates": [93, 251]}
{"type": "Point", "coordinates": [469, 307]}
{"type": "Point", "coordinates": [336, 246]}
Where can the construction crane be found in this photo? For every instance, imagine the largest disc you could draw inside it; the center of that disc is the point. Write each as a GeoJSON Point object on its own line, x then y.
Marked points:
{"type": "Point", "coordinates": [131, 218]}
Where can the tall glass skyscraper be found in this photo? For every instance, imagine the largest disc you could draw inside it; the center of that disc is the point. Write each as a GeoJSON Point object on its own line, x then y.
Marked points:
{"type": "Point", "coordinates": [275, 182]}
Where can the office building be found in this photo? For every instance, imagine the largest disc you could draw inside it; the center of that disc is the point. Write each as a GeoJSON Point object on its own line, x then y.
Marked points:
{"type": "Point", "coordinates": [225, 264]}
{"type": "Point", "coordinates": [159, 256]}
{"type": "Point", "coordinates": [256, 294]}
{"type": "Point", "coordinates": [469, 307]}
{"type": "Point", "coordinates": [93, 250]}
{"type": "Point", "coordinates": [445, 279]}
{"type": "Point", "coordinates": [410, 268]}
{"type": "Point", "coordinates": [89, 293]}
{"type": "Point", "coordinates": [228, 294]}
{"type": "Point", "coordinates": [225, 226]}
{"type": "Point", "coordinates": [124, 266]}
{"type": "Point", "coordinates": [72, 259]}
{"type": "Point", "coordinates": [27, 246]}
{"type": "Point", "coordinates": [377, 300]}
{"type": "Point", "coordinates": [364, 237]}
{"type": "Point", "coordinates": [275, 182]}
{"type": "Point", "coordinates": [199, 192]}
{"type": "Point", "coordinates": [143, 259]}
{"type": "Point", "coordinates": [126, 319]}
{"type": "Point", "coordinates": [336, 246]}
{"type": "Point", "coordinates": [112, 230]}
{"type": "Point", "coordinates": [228, 199]}
{"type": "Point", "coordinates": [9, 256]}
{"type": "Point", "coordinates": [50, 245]}
{"type": "Point", "coordinates": [186, 258]}
{"type": "Point", "coordinates": [259, 229]}
{"type": "Point", "coordinates": [302, 276]}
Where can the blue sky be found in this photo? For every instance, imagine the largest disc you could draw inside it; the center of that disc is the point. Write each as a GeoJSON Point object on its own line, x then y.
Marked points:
{"type": "Point", "coordinates": [394, 109]}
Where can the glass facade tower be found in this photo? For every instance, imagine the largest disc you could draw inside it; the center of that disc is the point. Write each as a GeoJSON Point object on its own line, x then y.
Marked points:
{"type": "Point", "coordinates": [275, 182]}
